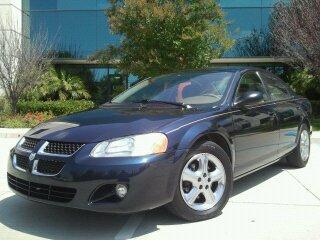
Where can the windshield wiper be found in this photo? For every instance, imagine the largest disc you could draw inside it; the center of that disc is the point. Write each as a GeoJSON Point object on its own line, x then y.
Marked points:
{"type": "Point", "coordinates": [146, 101]}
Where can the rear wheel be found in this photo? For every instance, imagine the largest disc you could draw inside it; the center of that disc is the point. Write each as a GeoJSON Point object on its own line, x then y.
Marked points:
{"type": "Point", "coordinates": [205, 184]}
{"type": "Point", "coordinates": [300, 155]}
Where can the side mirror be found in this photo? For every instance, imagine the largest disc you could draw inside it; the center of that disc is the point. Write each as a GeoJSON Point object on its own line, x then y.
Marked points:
{"type": "Point", "coordinates": [249, 98]}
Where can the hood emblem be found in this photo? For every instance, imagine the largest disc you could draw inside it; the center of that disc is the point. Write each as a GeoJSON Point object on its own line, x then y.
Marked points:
{"type": "Point", "coordinates": [32, 156]}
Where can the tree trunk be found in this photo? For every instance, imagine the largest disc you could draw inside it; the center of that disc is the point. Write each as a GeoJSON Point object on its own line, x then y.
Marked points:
{"type": "Point", "coordinates": [13, 105]}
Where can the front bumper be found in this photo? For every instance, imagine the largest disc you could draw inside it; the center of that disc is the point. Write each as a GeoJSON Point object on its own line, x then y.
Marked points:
{"type": "Point", "coordinates": [151, 180]}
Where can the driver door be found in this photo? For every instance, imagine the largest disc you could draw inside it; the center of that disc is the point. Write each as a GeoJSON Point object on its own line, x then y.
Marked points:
{"type": "Point", "coordinates": [255, 127]}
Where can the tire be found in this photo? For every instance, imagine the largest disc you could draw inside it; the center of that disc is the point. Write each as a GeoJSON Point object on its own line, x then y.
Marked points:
{"type": "Point", "coordinates": [219, 188]}
{"type": "Point", "coordinates": [296, 158]}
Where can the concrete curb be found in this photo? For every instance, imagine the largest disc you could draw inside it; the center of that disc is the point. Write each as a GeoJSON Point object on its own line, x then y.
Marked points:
{"type": "Point", "coordinates": [13, 132]}
{"type": "Point", "coordinates": [315, 134]}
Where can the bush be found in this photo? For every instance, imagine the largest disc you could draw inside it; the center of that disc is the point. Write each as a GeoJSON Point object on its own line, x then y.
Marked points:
{"type": "Point", "coordinates": [2, 104]}
{"type": "Point", "coordinates": [24, 121]}
{"type": "Point", "coordinates": [304, 83]}
{"type": "Point", "coordinates": [58, 85]}
{"type": "Point", "coordinates": [55, 107]}
{"type": "Point", "coordinates": [315, 108]}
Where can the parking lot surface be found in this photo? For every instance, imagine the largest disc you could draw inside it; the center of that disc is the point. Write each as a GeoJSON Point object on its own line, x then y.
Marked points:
{"type": "Point", "coordinates": [275, 203]}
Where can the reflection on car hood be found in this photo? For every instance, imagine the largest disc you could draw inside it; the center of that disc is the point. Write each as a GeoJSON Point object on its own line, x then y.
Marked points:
{"type": "Point", "coordinates": [106, 123]}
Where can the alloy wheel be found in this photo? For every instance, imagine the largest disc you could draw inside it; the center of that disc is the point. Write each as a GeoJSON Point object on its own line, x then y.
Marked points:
{"type": "Point", "coordinates": [202, 182]}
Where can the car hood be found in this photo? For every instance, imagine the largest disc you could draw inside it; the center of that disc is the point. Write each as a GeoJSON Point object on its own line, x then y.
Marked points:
{"type": "Point", "coordinates": [106, 123]}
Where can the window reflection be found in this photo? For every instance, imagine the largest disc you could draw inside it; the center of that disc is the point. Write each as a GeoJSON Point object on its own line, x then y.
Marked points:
{"type": "Point", "coordinates": [85, 31]}
{"type": "Point", "coordinates": [82, 24]}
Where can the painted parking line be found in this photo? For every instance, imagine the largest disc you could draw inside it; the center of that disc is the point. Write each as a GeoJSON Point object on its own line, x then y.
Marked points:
{"type": "Point", "coordinates": [129, 228]}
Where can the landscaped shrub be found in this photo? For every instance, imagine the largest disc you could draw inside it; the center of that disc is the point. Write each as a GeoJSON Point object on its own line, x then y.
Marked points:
{"type": "Point", "coordinates": [55, 107]}
{"type": "Point", "coordinates": [303, 83]}
{"type": "Point", "coordinates": [58, 85]}
{"type": "Point", "coordinates": [315, 108]}
{"type": "Point", "coordinates": [23, 121]}
{"type": "Point", "coordinates": [2, 104]}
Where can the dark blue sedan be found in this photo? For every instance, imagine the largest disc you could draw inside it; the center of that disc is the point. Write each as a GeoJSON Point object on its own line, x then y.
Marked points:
{"type": "Point", "coordinates": [178, 140]}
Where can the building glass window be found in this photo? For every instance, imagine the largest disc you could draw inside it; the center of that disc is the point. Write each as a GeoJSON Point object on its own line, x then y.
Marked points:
{"type": "Point", "coordinates": [75, 26]}
{"type": "Point", "coordinates": [43, 5]}
{"type": "Point", "coordinates": [82, 24]}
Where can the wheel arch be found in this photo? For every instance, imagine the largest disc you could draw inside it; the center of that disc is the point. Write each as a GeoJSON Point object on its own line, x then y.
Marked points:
{"type": "Point", "coordinates": [218, 138]}
{"type": "Point", "coordinates": [307, 122]}
{"type": "Point", "coordinates": [208, 131]}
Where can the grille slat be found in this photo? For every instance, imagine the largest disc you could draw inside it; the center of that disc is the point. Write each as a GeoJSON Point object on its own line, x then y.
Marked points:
{"type": "Point", "coordinates": [62, 148]}
{"type": "Point", "coordinates": [50, 166]}
{"type": "Point", "coordinates": [29, 143]}
{"type": "Point", "coordinates": [41, 191]}
{"type": "Point", "coordinates": [64, 196]}
{"type": "Point", "coordinates": [22, 161]}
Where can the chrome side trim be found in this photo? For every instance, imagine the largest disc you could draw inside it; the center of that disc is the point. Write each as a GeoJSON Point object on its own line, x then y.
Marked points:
{"type": "Point", "coordinates": [230, 112]}
{"type": "Point", "coordinates": [14, 163]}
{"type": "Point", "coordinates": [202, 119]}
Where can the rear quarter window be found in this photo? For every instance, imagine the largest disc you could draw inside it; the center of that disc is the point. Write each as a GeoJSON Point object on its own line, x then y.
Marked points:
{"type": "Point", "coordinates": [276, 88]}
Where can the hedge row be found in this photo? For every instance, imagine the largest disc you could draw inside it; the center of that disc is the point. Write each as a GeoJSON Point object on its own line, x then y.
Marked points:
{"type": "Point", "coordinates": [55, 107]}
{"type": "Point", "coordinates": [315, 108]}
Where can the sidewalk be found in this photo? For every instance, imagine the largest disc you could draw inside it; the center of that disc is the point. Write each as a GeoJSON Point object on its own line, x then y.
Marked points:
{"type": "Point", "coordinates": [12, 132]}
{"type": "Point", "coordinates": [278, 203]}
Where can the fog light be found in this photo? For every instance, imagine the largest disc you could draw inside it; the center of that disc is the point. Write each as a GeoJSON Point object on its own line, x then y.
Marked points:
{"type": "Point", "coordinates": [121, 190]}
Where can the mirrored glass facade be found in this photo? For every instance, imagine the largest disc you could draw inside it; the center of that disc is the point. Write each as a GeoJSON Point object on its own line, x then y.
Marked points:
{"type": "Point", "coordinates": [80, 26]}
{"type": "Point", "coordinates": [75, 26]}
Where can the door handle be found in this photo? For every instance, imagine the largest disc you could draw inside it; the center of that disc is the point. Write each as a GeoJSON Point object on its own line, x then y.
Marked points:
{"type": "Point", "coordinates": [274, 118]}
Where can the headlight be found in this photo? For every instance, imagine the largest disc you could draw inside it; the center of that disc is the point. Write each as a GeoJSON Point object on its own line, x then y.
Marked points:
{"type": "Point", "coordinates": [132, 146]}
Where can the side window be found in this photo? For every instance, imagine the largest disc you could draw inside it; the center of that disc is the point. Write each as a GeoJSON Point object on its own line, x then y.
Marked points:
{"type": "Point", "coordinates": [276, 88]}
{"type": "Point", "coordinates": [250, 82]}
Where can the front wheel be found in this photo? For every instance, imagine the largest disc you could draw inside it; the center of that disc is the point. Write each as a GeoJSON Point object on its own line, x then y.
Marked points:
{"type": "Point", "coordinates": [205, 184]}
{"type": "Point", "coordinates": [300, 155]}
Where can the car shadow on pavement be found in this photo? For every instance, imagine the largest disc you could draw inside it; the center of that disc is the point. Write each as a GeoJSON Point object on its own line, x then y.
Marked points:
{"type": "Point", "coordinates": [53, 222]}
{"type": "Point", "coordinates": [257, 178]}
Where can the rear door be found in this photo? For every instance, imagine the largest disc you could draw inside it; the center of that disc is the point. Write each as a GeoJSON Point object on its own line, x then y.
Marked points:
{"type": "Point", "coordinates": [256, 134]}
{"type": "Point", "coordinates": [287, 110]}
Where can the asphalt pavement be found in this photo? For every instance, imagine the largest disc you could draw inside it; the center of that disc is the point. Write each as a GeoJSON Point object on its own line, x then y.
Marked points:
{"type": "Point", "coordinates": [275, 203]}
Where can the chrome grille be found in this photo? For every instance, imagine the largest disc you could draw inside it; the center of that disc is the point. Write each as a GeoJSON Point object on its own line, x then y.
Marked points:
{"type": "Point", "coordinates": [62, 148]}
{"type": "Point", "coordinates": [41, 191]}
{"type": "Point", "coordinates": [29, 143]}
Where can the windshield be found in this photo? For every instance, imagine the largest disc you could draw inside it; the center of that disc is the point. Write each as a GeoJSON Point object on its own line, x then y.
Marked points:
{"type": "Point", "coordinates": [187, 88]}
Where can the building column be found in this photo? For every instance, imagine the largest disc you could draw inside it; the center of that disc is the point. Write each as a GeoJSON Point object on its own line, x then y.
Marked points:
{"type": "Point", "coordinates": [14, 17]}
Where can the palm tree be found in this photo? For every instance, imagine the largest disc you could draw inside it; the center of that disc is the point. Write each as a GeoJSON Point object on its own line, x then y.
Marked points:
{"type": "Point", "coordinates": [60, 86]}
